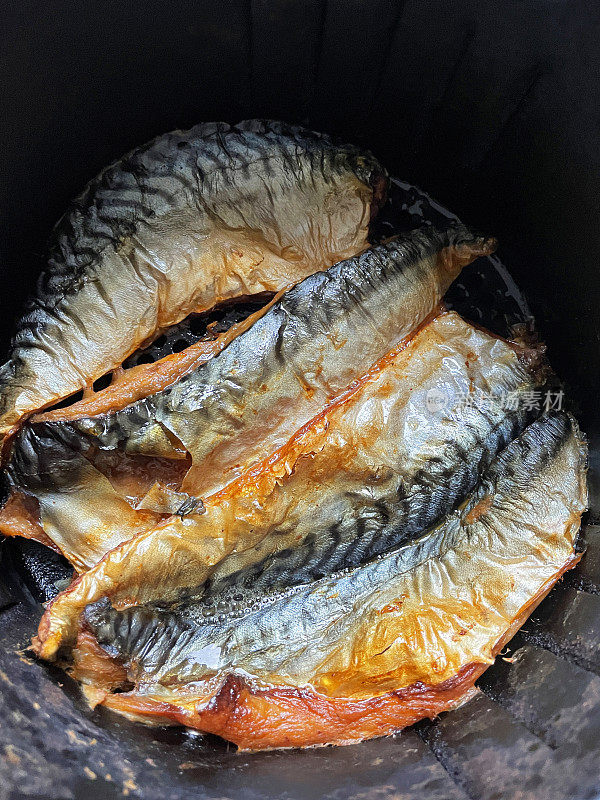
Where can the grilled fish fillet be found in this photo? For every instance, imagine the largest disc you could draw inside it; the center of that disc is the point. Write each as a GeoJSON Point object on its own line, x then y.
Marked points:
{"type": "Point", "coordinates": [317, 527]}
{"type": "Point", "coordinates": [367, 650]}
{"type": "Point", "coordinates": [373, 469]}
{"type": "Point", "coordinates": [241, 405]}
{"type": "Point", "coordinates": [187, 221]}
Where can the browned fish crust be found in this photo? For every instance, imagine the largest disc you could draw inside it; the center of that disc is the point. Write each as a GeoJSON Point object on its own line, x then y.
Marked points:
{"type": "Point", "coordinates": [284, 716]}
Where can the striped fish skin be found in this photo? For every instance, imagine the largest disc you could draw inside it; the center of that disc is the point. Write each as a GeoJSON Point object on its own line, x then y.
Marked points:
{"type": "Point", "coordinates": [273, 378]}
{"type": "Point", "coordinates": [418, 466]}
{"type": "Point", "coordinates": [365, 473]}
{"type": "Point", "coordinates": [421, 612]}
{"type": "Point", "coordinates": [184, 222]}
{"type": "Point", "coordinates": [305, 349]}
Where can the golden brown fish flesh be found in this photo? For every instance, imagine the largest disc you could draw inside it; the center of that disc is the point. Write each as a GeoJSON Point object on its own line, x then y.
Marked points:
{"type": "Point", "coordinates": [99, 479]}
{"type": "Point", "coordinates": [372, 469]}
{"type": "Point", "coordinates": [367, 650]}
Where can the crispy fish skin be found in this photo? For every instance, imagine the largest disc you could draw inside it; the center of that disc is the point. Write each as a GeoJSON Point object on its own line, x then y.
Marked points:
{"type": "Point", "coordinates": [371, 470]}
{"type": "Point", "coordinates": [398, 638]}
{"type": "Point", "coordinates": [392, 464]}
{"type": "Point", "coordinates": [184, 222]}
{"type": "Point", "coordinates": [274, 377]}
{"type": "Point", "coordinates": [246, 401]}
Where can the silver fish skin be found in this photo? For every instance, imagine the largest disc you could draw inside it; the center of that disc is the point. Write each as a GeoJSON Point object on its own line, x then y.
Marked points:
{"type": "Point", "coordinates": [424, 461]}
{"type": "Point", "coordinates": [534, 489]}
{"type": "Point", "coordinates": [382, 466]}
{"type": "Point", "coordinates": [186, 221]}
{"type": "Point", "coordinates": [345, 484]}
{"type": "Point", "coordinates": [273, 378]}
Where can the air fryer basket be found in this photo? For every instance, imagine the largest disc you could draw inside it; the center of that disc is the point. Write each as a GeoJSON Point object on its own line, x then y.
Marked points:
{"type": "Point", "coordinates": [490, 106]}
